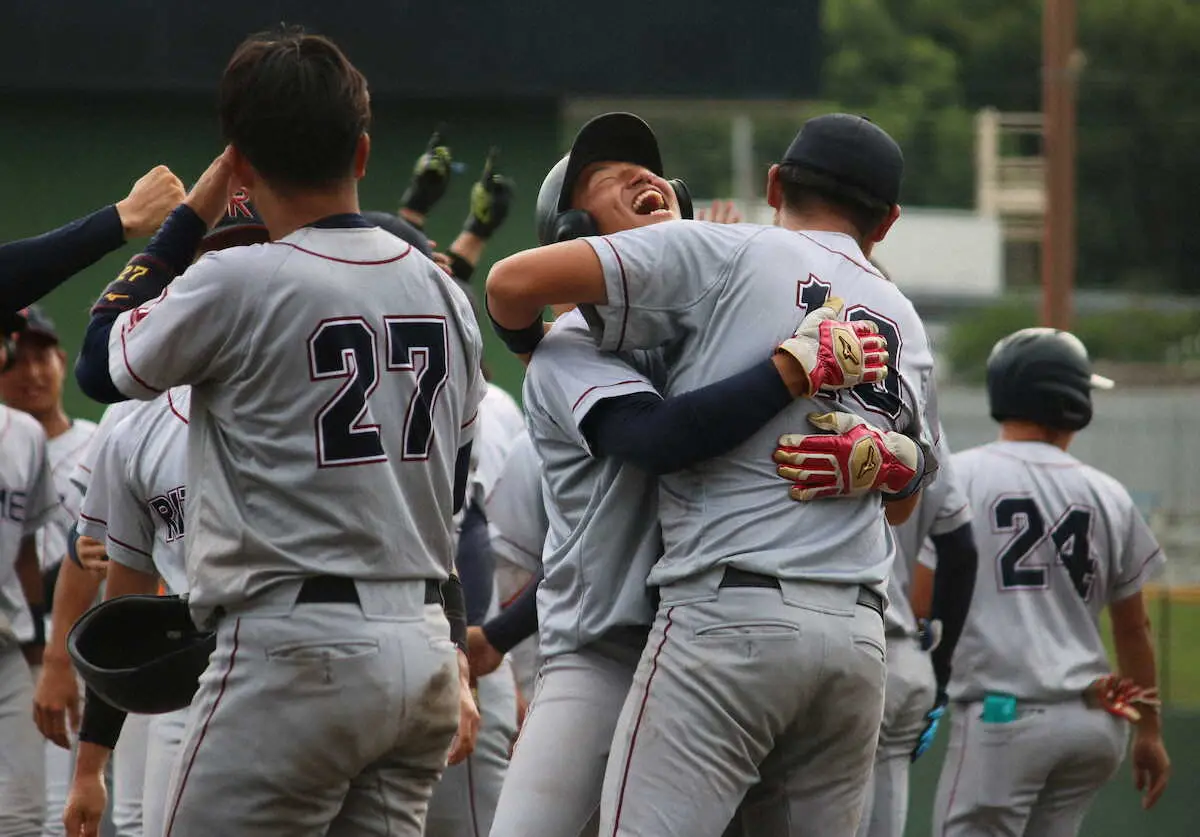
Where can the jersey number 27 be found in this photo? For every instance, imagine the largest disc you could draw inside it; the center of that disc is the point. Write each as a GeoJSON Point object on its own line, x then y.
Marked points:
{"type": "Point", "coordinates": [346, 348]}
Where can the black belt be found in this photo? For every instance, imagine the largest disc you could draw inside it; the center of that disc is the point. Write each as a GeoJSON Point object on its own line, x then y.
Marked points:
{"type": "Point", "coordinates": [734, 577]}
{"type": "Point", "coordinates": [335, 589]}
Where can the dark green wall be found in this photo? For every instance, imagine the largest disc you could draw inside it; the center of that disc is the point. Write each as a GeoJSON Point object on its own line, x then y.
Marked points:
{"type": "Point", "coordinates": [63, 157]}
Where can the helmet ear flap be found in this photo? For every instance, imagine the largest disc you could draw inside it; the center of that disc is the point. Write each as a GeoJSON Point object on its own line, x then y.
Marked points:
{"type": "Point", "coordinates": [574, 223]}
{"type": "Point", "coordinates": [684, 196]}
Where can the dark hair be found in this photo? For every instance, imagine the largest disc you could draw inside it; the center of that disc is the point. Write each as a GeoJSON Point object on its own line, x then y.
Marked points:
{"type": "Point", "coordinates": [295, 106]}
{"type": "Point", "coordinates": [804, 188]}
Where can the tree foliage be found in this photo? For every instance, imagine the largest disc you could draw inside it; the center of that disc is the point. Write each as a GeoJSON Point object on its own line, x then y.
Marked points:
{"type": "Point", "coordinates": [923, 68]}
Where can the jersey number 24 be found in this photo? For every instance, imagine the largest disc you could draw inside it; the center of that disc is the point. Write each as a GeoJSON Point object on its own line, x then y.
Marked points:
{"type": "Point", "coordinates": [1069, 540]}
{"type": "Point", "coordinates": [346, 348]}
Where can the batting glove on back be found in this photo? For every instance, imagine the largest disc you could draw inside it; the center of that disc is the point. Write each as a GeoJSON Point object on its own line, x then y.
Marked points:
{"type": "Point", "coordinates": [836, 354]}
{"type": "Point", "coordinates": [851, 459]}
{"type": "Point", "coordinates": [1121, 697]}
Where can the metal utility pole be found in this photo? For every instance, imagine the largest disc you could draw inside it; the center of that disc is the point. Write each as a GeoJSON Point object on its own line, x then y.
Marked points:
{"type": "Point", "coordinates": [1059, 70]}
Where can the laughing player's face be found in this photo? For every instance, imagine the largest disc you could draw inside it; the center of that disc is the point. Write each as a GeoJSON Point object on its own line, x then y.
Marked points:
{"type": "Point", "coordinates": [622, 196]}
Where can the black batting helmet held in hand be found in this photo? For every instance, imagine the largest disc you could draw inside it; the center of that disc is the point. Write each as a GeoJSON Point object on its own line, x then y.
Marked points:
{"type": "Point", "coordinates": [142, 654]}
{"type": "Point", "coordinates": [620, 137]}
{"type": "Point", "coordinates": [1045, 376]}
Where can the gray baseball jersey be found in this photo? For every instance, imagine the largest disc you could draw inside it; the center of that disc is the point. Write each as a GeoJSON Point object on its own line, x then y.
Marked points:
{"type": "Point", "coordinates": [28, 502]}
{"type": "Point", "coordinates": [330, 397]}
{"type": "Point", "coordinates": [138, 492]}
{"type": "Point", "coordinates": [943, 507]}
{"type": "Point", "coordinates": [65, 451]}
{"type": "Point", "coordinates": [1058, 541]}
{"type": "Point", "coordinates": [81, 474]}
{"type": "Point", "coordinates": [515, 511]}
{"type": "Point", "coordinates": [500, 423]}
{"type": "Point", "coordinates": [720, 297]}
{"type": "Point", "coordinates": [603, 533]}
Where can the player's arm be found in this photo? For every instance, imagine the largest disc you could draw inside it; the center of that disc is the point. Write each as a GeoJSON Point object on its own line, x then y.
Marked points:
{"type": "Point", "coordinates": [56, 698]}
{"type": "Point", "coordinates": [29, 574]}
{"type": "Point", "coordinates": [133, 295]}
{"type": "Point", "coordinates": [475, 562]}
{"type": "Point", "coordinates": [430, 180]}
{"type": "Point", "coordinates": [33, 267]}
{"type": "Point", "coordinates": [953, 588]}
{"type": "Point", "coordinates": [488, 643]}
{"type": "Point", "coordinates": [101, 726]}
{"type": "Point", "coordinates": [491, 198]}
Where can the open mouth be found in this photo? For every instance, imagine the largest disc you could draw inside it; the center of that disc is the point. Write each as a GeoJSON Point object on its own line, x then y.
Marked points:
{"type": "Point", "coordinates": [650, 202]}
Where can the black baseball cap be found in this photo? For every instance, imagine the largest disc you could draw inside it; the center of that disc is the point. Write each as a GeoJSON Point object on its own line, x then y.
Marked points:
{"type": "Point", "coordinates": [852, 150]}
{"type": "Point", "coordinates": [32, 321]}
{"type": "Point", "coordinates": [618, 136]}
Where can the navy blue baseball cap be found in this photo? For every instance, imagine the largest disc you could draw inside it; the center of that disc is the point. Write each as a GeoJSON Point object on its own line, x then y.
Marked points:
{"type": "Point", "coordinates": [33, 322]}
{"type": "Point", "coordinates": [241, 225]}
{"type": "Point", "coordinates": [852, 150]}
{"type": "Point", "coordinates": [621, 137]}
{"type": "Point", "coordinates": [400, 228]}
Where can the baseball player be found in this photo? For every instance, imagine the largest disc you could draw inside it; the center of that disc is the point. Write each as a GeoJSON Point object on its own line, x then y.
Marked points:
{"type": "Point", "coordinates": [602, 431]}
{"type": "Point", "coordinates": [1030, 742]}
{"type": "Point", "coordinates": [464, 801]}
{"type": "Point", "coordinates": [27, 503]}
{"type": "Point", "coordinates": [335, 385]}
{"type": "Point", "coordinates": [915, 697]}
{"type": "Point", "coordinates": [33, 267]}
{"type": "Point", "coordinates": [57, 703]}
{"type": "Point", "coordinates": [765, 662]}
{"type": "Point", "coordinates": [135, 505]}
{"type": "Point", "coordinates": [33, 384]}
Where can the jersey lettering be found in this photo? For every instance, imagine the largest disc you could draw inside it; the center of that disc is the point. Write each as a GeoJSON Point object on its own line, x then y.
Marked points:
{"type": "Point", "coordinates": [169, 507]}
{"type": "Point", "coordinates": [410, 339]}
{"type": "Point", "coordinates": [882, 397]}
{"type": "Point", "coordinates": [346, 348]}
{"type": "Point", "coordinates": [1070, 537]}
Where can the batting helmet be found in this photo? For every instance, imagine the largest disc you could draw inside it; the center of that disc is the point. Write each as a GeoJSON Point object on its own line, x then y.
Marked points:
{"type": "Point", "coordinates": [142, 654]}
{"type": "Point", "coordinates": [1044, 376]}
{"type": "Point", "coordinates": [400, 228]}
{"type": "Point", "coordinates": [621, 137]}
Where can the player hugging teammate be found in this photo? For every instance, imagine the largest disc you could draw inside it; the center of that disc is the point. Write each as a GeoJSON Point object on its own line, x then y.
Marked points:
{"type": "Point", "coordinates": [749, 556]}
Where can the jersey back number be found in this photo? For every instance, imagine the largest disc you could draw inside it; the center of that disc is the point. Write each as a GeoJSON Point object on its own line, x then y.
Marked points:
{"type": "Point", "coordinates": [882, 397]}
{"type": "Point", "coordinates": [346, 348]}
{"type": "Point", "coordinates": [1069, 539]}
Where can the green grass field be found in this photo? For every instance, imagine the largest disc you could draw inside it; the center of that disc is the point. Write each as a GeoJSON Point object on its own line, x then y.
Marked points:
{"type": "Point", "coordinates": [1175, 622]}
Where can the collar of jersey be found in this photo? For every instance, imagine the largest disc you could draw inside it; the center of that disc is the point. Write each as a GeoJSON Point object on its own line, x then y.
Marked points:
{"type": "Point", "coordinates": [343, 221]}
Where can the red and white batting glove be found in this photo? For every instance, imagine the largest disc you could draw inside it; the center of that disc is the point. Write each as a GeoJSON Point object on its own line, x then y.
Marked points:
{"type": "Point", "coordinates": [836, 354]}
{"type": "Point", "coordinates": [851, 459]}
{"type": "Point", "coordinates": [1121, 697]}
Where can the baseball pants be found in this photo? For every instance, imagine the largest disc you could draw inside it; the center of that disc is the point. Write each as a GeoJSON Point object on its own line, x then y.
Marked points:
{"type": "Point", "coordinates": [1035, 776]}
{"type": "Point", "coordinates": [908, 696]}
{"type": "Point", "coordinates": [330, 716]}
{"type": "Point", "coordinates": [22, 748]}
{"type": "Point", "coordinates": [783, 687]}
{"type": "Point", "coordinates": [464, 801]}
{"type": "Point", "coordinates": [556, 774]}
{"type": "Point", "coordinates": [164, 737]}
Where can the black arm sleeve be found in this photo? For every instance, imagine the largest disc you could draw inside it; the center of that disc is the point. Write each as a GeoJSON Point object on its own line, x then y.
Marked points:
{"type": "Point", "coordinates": [33, 267]}
{"type": "Point", "coordinates": [953, 586]}
{"type": "Point", "coordinates": [455, 607]}
{"type": "Point", "coordinates": [518, 621]}
{"type": "Point", "coordinates": [475, 563]}
{"type": "Point", "coordinates": [166, 256]}
{"type": "Point", "coordinates": [101, 722]}
{"type": "Point", "coordinates": [462, 470]}
{"type": "Point", "coordinates": [660, 436]}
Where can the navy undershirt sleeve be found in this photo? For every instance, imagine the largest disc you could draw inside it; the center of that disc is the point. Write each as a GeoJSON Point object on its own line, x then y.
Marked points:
{"type": "Point", "coordinates": [476, 566]}
{"type": "Point", "coordinates": [172, 249]}
{"type": "Point", "coordinates": [462, 469]}
{"type": "Point", "coordinates": [33, 267]}
{"type": "Point", "coordinates": [953, 587]}
{"type": "Point", "coordinates": [665, 435]}
{"type": "Point", "coordinates": [518, 621]}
